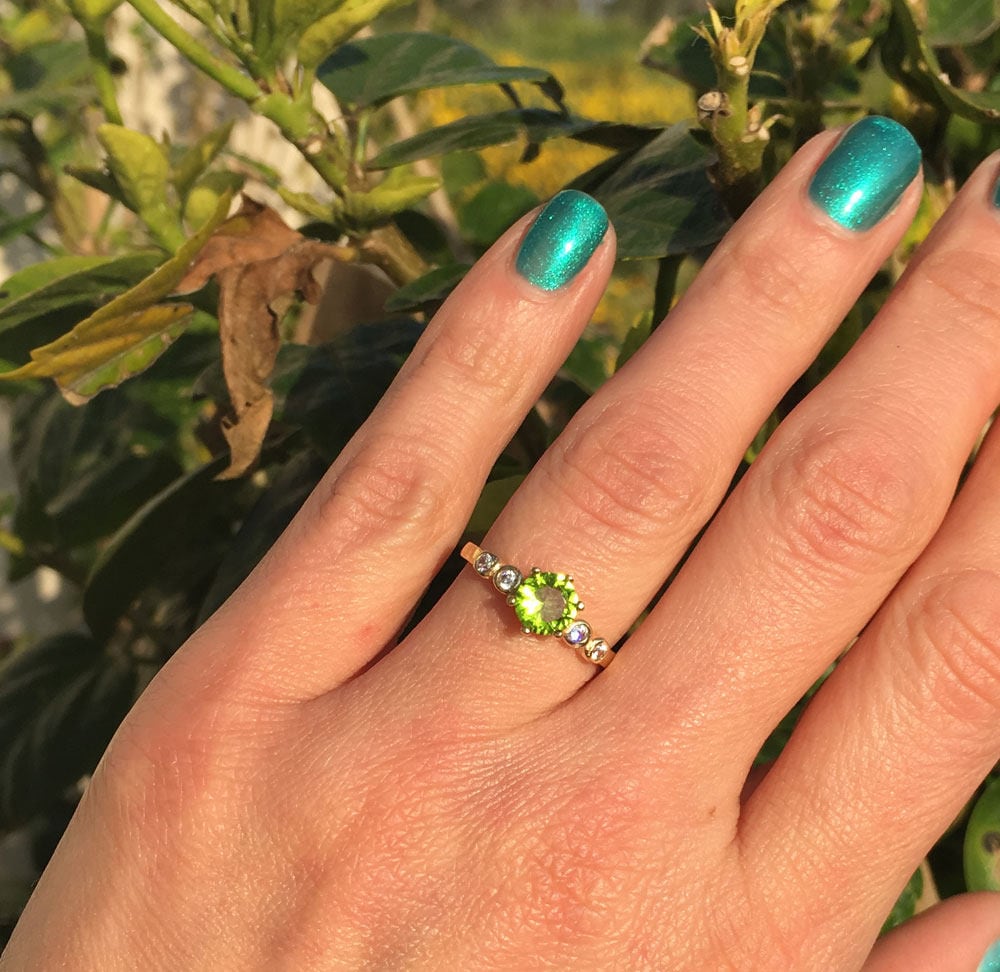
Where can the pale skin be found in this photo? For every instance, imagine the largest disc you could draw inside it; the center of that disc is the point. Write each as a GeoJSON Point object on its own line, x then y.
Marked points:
{"type": "Point", "coordinates": [297, 791]}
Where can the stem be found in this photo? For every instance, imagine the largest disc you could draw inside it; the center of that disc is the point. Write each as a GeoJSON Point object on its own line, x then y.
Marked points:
{"type": "Point", "coordinates": [199, 55]}
{"type": "Point", "coordinates": [100, 62]}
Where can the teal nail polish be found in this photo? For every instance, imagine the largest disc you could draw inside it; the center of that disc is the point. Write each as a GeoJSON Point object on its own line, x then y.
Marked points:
{"type": "Point", "coordinates": [561, 239]}
{"type": "Point", "coordinates": [991, 960]}
{"type": "Point", "coordinates": [866, 172]}
{"type": "Point", "coordinates": [996, 194]}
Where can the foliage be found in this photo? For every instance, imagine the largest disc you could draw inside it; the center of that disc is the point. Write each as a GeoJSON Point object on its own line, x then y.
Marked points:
{"type": "Point", "coordinates": [155, 462]}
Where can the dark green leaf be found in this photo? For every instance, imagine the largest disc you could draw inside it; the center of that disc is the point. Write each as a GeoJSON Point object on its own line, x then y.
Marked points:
{"type": "Point", "coordinates": [263, 525]}
{"type": "Point", "coordinates": [370, 72]}
{"type": "Point", "coordinates": [187, 525]}
{"type": "Point", "coordinates": [906, 903]}
{"type": "Point", "coordinates": [982, 842]}
{"type": "Point", "coordinates": [479, 131]}
{"type": "Point", "coordinates": [60, 702]}
{"type": "Point", "coordinates": [960, 22]}
{"type": "Point", "coordinates": [338, 384]}
{"type": "Point", "coordinates": [492, 210]}
{"type": "Point", "coordinates": [68, 281]}
{"type": "Point", "coordinates": [910, 59]}
{"type": "Point", "coordinates": [659, 198]}
{"type": "Point", "coordinates": [492, 500]}
{"type": "Point", "coordinates": [20, 225]}
{"type": "Point", "coordinates": [428, 290]}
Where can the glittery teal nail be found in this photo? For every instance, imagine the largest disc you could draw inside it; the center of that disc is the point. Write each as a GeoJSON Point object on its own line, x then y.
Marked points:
{"type": "Point", "coordinates": [996, 194]}
{"type": "Point", "coordinates": [991, 960]}
{"type": "Point", "coordinates": [866, 172]}
{"type": "Point", "coordinates": [561, 239]}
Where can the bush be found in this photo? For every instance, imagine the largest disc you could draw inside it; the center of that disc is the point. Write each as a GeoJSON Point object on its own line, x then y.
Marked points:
{"type": "Point", "coordinates": [154, 470]}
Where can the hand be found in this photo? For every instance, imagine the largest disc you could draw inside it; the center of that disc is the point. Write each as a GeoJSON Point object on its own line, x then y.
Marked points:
{"type": "Point", "coordinates": [296, 791]}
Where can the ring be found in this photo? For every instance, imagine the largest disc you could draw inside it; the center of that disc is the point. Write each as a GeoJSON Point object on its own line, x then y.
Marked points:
{"type": "Point", "coordinates": [545, 602]}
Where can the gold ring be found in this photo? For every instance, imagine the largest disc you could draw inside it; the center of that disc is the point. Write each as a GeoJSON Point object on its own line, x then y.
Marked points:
{"type": "Point", "coordinates": [545, 602]}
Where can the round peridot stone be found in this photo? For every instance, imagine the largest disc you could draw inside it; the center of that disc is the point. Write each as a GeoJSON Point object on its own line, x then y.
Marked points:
{"type": "Point", "coordinates": [546, 603]}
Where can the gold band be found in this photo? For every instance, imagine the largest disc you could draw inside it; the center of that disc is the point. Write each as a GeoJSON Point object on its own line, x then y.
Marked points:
{"type": "Point", "coordinates": [545, 602]}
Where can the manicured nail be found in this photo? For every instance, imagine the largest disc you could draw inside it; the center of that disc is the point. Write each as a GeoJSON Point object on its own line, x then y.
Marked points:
{"type": "Point", "coordinates": [996, 194]}
{"type": "Point", "coordinates": [561, 239]}
{"type": "Point", "coordinates": [867, 171]}
{"type": "Point", "coordinates": [991, 960]}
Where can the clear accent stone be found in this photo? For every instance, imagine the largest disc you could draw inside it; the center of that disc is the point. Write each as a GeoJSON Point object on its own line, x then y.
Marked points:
{"type": "Point", "coordinates": [596, 650]}
{"type": "Point", "coordinates": [577, 633]}
{"type": "Point", "coordinates": [485, 563]}
{"type": "Point", "coordinates": [507, 579]}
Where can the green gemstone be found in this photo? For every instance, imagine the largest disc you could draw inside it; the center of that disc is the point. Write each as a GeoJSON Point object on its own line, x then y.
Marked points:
{"type": "Point", "coordinates": [546, 603]}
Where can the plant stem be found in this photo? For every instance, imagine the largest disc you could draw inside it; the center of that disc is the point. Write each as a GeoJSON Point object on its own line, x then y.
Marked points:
{"type": "Point", "coordinates": [229, 77]}
{"type": "Point", "coordinates": [100, 62]}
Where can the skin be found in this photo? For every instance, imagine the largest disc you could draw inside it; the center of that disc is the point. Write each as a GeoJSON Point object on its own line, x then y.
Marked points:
{"type": "Point", "coordinates": [296, 791]}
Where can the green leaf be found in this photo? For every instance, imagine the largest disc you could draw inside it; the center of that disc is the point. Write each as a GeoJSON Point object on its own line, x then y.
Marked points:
{"type": "Point", "coordinates": [207, 193]}
{"type": "Point", "coordinates": [491, 210]}
{"type": "Point", "coordinates": [335, 28]}
{"type": "Point", "coordinates": [958, 23]}
{"type": "Point", "coordinates": [69, 281]}
{"type": "Point", "coordinates": [479, 131]}
{"type": "Point", "coordinates": [370, 72]}
{"type": "Point", "coordinates": [399, 190]}
{"type": "Point", "coordinates": [187, 525]}
{"type": "Point", "coordinates": [140, 167]}
{"type": "Point", "coordinates": [428, 290]}
{"type": "Point", "coordinates": [99, 179]}
{"type": "Point", "coordinates": [909, 58]}
{"type": "Point", "coordinates": [20, 225]}
{"type": "Point", "coordinates": [92, 11]}
{"type": "Point", "coordinates": [981, 854]}
{"type": "Point", "coordinates": [60, 703]}
{"type": "Point", "coordinates": [659, 198]}
{"type": "Point", "coordinates": [635, 338]}
{"type": "Point", "coordinates": [906, 903]}
{"type": "Point", "coordinates": [195, 160]}
{"type": "Point", "coordinates": [494, 497]}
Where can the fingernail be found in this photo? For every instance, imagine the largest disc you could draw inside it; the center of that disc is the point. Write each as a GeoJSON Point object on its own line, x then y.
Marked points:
{"type": "Point", "coordinates": [561, 240]}
{"type": "Point", "coordinates": [867, 171]}
{"type": "Point", "coordinates": [991, 960]}
{"type": "Point", "coordinates": [996, 194]}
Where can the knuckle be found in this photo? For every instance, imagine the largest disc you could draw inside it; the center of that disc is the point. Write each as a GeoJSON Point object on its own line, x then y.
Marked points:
{"type": "Point", "coordinates": [475, 361]}
{"type": "Point", "coordinates": [782, 285]}
{"type": "Point", "coordinates": [632, 476]}
{"type": "Point", "coordinates": [962, 285]}
{"type": "Point", "coordinates": [395, 489]}
{"type": "Point", "coordinates": [843, 500]}
{"type": "Point", "coordinates": [955, 637]}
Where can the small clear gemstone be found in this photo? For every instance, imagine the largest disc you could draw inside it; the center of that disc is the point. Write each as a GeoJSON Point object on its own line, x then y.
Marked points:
{"type": "Point", "coordinates": [578, 633]}
{"type": "Point", "coordinates": [485, 563]}
{"type": "Point", "coordinates": [597, 650]}
{"type": "Point", "coordinates": [507, 578]}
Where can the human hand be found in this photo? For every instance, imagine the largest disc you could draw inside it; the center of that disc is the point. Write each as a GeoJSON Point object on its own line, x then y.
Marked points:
{"type": "Point", "coordinates": [297, 791]}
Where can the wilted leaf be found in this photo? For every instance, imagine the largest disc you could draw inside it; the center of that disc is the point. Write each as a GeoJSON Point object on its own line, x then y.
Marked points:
{"type": "Point", "coordinates": [370, 72]}
{"type": "Point", "coordinates": [125, 335]}
{"type": "Point", "coordinates": [258, 262]}
{"type": "Point", "coordinates": [60, 703]}
{"type": "Point", "coordinates": [982, 842]}
{"type": "Point", "coordinates": [103, 355]}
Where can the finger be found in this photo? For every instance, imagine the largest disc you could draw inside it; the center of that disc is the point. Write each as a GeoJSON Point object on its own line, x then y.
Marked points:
{"type": "Point", "coordinates": [342, 578]}
{"type": "Point", "coordinates": [841, 501]}
{"type": "Point", "coordinates": [953, 936]}
{"type": "Point", "coordinates": [896, 741]}
{"type": "Point", "coordinates": [642, 466]}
